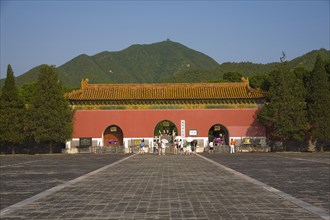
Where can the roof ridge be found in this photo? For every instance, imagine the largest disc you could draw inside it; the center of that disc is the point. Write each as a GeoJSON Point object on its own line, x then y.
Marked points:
{"type": "Point", "coordinates": [165, 91]}
{"type": "Point", "coordinates": [168, 84]}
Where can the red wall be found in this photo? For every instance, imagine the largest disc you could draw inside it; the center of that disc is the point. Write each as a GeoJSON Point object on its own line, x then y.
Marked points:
{"type": "Point", "coordinates": [141, 123]}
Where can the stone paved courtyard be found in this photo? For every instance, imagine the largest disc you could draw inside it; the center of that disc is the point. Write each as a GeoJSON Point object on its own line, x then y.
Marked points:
{"type": "Point", "coordinates": [23, 176]}
{"type": "Point", "coordinates": [303, 175]}
{"type": "Point", "coordinates": [165, 187]}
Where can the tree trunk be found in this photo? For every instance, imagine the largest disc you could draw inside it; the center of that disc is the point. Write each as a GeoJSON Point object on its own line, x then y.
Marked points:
{"type": "Point", "coordinates": [12, 149]}
{"type": "Point", "coordinates": [50, 147]}
{"type": "Point", "coordinates": [312, 145]}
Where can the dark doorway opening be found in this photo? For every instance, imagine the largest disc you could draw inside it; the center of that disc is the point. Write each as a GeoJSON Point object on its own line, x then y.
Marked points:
{"type": "Point", "coordinates": [219, 134]}
{"type": "Point", "coordinates": [113, 136]}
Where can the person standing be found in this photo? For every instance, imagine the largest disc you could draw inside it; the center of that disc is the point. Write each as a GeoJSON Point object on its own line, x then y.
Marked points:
{"type": "Point", "coordinates": [193, 146]}
{"type": "Point", "coordinates": [159, 147]}
{"type": "Point", "coordinates": [142, 147]}
{"type": "Point", "coordinates": [232, 146]}
{"type": "Point", "coordinates": [175, 147]}
{"type": "Point", "coordinates": [163, 148]}
{"type": "Point", "coordinates": [188, 148]}
{"type": "Point", "coordinates": [181, 146]}
{"type": "Point", "coordinates": [211, 147]}
{"type": "Point", "coordinates": [155, 146]}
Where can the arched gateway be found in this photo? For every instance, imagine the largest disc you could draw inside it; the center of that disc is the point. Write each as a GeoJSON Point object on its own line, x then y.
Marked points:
{"type": "Point", "coordinates": [119, 114]}
{"type": "Point", "coordinates": [219, 134]}
{"type": "Point", "coordinates": [113, 136]}
{"type": "Point", "coordinates": [165, 127]}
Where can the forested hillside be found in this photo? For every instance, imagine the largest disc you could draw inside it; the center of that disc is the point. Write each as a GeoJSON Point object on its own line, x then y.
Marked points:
{"type": "Point", "coordinates": [246, 68]}
{"type": "Point", "coordinates": [165, 61]}
{"type": "Point", "coordinates": [136, 64]}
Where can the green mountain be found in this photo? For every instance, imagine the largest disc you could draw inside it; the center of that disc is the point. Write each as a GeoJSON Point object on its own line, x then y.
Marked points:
{"type": "Point", "coordinates": [306, 61]}
{"type": "Point", "coordinates": [136, 64]}
{"type": "Point", "coordinates": [165, 61]}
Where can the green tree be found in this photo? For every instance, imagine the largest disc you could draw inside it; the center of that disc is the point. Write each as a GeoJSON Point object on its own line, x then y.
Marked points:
{"type": "Point", "coordinates": [12, 113]}
{"type": "Point", "coordinates": [50, 116]}
{"type": "Point", "coordinates": [260, 81]}
{"type": "Point", "coordinates": [27, 92]}
{"type": "Point", "coordinates": [302, 74]}
{"type": "Point", "coordinates": [318, 100]}
{"type": "Point", "coordinates": [232, 77]}
{"type": "Point", "coordinates": [327, 69]}
{"type": "Point", "coordinates": [285, 115]}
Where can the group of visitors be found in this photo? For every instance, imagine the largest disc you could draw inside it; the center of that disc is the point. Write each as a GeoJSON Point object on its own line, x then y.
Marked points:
{"type": "Point", "coordinates": [231, 146]}
{"type": "Point", "coordinates": [178, 147]}
{"type": "Point", "coordinates": [159, 147]}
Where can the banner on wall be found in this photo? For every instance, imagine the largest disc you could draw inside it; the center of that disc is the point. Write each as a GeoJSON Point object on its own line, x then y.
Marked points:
{"type": "Point", "coordinates": [183, 128]}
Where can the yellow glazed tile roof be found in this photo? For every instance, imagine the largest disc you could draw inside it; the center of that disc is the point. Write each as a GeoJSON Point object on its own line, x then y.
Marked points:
{"type": "Point", "coordinates": [168, 91]}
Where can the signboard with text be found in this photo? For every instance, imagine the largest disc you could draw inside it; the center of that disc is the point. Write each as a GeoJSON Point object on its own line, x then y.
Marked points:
{"type": "Point", "coordinates": [85, 142]}
{"type": "Point", "coordinates": [193, 132]}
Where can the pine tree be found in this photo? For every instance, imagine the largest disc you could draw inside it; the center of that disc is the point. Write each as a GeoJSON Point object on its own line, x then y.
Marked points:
{"type": "Point", "coordinates": [232, 77]}
{"type": "Point", "coordinates": [50, 116]}
{"type": "Point", "coordinates": [285, 114]}
{"type": "Point", "coordinates": [318, 100]}
{"type": "Point", "coordinates": [12, 113]}
{"type": "Point", "coordinates": [260, 81]}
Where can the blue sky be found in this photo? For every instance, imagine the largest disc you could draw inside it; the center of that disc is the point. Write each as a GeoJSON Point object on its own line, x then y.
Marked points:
{"type": "Point", "coordinates": [53, 32]}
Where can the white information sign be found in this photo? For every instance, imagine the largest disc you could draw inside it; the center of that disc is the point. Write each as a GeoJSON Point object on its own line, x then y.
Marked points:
{"type": "Point", "coordinates": [183, 128]}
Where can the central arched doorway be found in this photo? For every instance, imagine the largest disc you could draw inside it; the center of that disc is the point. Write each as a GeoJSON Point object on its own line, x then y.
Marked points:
{"type": "Point", "coordinates": [219, 134]}
{"type": "Point", "coordinates": [113, 136]}
{"type": "Point", "coordinates": [166, 129]}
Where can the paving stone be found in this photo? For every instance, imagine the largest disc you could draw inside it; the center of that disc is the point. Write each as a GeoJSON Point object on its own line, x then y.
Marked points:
{"type": "Point", "coordinates": [305, 176]}
{"type": "Point", "coordinates": [23, 176]}
{"type": "Point", "coordinates": [169, 187]}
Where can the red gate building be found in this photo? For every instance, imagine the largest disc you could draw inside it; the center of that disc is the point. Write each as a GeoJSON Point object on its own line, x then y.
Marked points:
{"type": "Point", "coordinates": [124, 114]}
